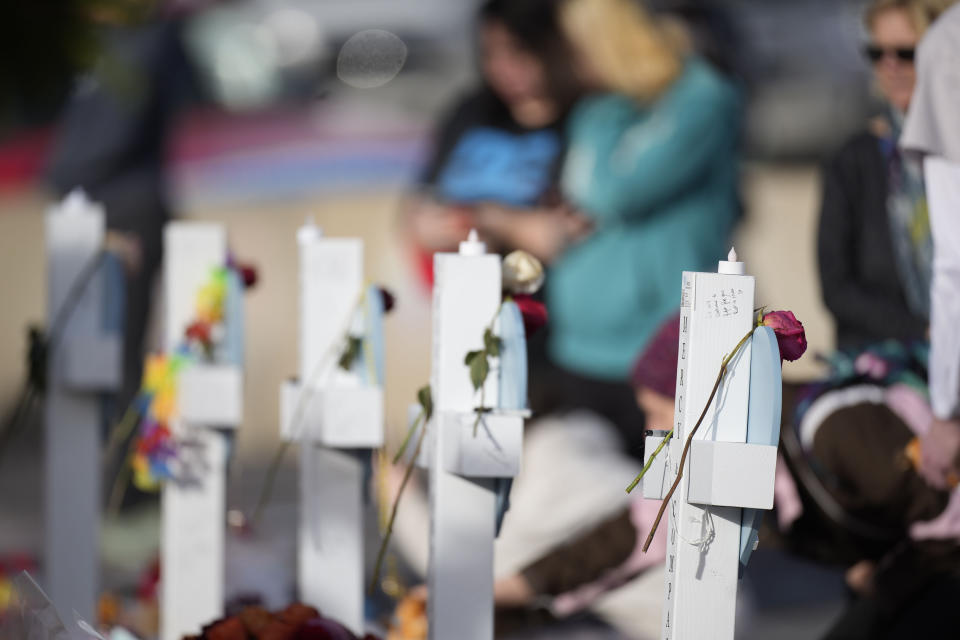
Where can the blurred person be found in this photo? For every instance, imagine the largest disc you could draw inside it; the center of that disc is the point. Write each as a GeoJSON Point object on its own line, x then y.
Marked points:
{"type": "Point", "coordinates": [501, 143]}
{"type": "Point", "coordinates": [112, 142]}
{"type": "Point", "coordinates": [874, 243]}
{"type": "Point", "coordinates": [844, 495]}
{"type": "Point", "coordinates": [850, 442]}
{"type": "Point", "coordinates": [706, 26]}
{"type": "Point", "coordinates": [933, 131]}
{"type": "Point", "coordinates": [651, 183]}
{"type": "Point", "coordinates": [602, 568]}
{"type": "Point", "coordinates": [650, 189]}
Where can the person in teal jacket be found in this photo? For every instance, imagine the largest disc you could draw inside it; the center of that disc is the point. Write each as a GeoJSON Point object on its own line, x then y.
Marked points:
{"type": "Point", "coordinates": [658, 182]}
{"type": "Point", "coordinates": [650, 184]}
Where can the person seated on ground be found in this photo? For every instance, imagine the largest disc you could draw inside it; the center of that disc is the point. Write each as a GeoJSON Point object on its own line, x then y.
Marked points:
{"type": "Point", "coordinates": [846, 494]}
{"type": "Point", "coordinates": [502, 143]}
{"type": "Point", "coordinates": [570, 538]}
{"type": "Point", "coordinates": [851, 443]}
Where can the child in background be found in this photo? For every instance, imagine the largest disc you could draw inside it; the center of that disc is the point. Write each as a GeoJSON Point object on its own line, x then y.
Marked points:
{"type": "Point", "coordinates": [844, 495]}
{"type": "Point", "coordinates": [502, 143]}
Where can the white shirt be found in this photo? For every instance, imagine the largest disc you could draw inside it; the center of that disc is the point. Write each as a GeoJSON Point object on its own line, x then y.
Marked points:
{"type": "Point", "coordinates": [933, 128]}
{"type": "Point", "coordinates": [933, 122]}
{"type": "Point", "coordinates": [942, 178]}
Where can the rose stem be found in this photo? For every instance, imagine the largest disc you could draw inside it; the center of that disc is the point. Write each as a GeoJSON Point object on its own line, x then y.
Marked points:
{"type": "Point", "coordinates": [393, 511]}
{"type": "Point", "coordinates": [686, 446]}
{"type": "Point", "coordinates": [406, 439]}
{"type": "Point", "coordinates": [646, 467]}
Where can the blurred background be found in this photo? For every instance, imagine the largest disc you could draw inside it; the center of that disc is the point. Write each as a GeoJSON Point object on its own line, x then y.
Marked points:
{"type": "Point", "coordinates": [276, 111]}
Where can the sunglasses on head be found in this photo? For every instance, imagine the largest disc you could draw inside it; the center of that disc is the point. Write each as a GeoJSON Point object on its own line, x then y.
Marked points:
{"type": "Point", "coordinates": [875, 53]}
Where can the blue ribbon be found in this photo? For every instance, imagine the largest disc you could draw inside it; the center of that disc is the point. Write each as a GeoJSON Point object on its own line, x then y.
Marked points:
{"type": "Point", "coordinates": [512, 393]}
{"type": "Point", "coordinates": [763, 420]}
{"type": "Point", "coordinates": [374, 335]}
{"type": "Point", "coordinates": [232, 348]}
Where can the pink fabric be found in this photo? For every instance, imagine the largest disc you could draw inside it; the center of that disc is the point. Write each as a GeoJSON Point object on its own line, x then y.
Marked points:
{"type": "Point", "coordinates": [944, 526]}
{"type": "Point", "coordinates": [911, 406]}
{"type": "Point", "coordinates": [642, 514]}
{"type": "Point", "coordinates": [786, 496]}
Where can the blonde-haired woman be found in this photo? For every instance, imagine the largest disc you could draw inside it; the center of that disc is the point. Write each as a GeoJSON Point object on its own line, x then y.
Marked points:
{"type": "Point", "coordinates": [875, 247]}
{"type": "Point", "coordinates": [652, 164]}
{"type": "Point", "coordinates": [650, 185]}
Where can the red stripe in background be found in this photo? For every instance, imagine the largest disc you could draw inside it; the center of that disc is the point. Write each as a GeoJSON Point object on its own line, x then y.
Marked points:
{"type": "Point", "coordinates": [23, 157]}
{"type": "Point", "coordinates": [208, 135]}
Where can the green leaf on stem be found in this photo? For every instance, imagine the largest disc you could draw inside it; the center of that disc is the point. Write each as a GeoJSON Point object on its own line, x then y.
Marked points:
{"type": "Point", "coordinates": [491, 343]}
{"type": "Point", "coordinates": [470, 356]}
{"type": "Point", "coordinates": [479, 368]}
{"type": "Point", "coordinates": [425, 398]}
{"type": "Point", "coordinates": [350, 353]}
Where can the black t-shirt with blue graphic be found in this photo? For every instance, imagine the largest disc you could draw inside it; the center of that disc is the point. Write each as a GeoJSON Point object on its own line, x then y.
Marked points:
{"type": "Point", "coordinates": [482, 154]}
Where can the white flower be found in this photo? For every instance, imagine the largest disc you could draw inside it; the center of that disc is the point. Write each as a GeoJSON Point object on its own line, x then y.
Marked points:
{"type": "Point", "coordinates": [522, 273]}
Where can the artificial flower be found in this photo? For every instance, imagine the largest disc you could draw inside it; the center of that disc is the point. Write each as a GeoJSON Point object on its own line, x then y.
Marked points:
{"type": "Point", "coordinates": [522, 273]}
{"type": "Point", "coordinates": [200, 331]}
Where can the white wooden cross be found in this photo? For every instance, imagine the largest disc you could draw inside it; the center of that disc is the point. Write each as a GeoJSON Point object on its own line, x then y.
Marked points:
{"type": "Point", "coordinates": [730, 467]}
{"type": "Point", "coordinates": [464, 464]}
{"type": "Point", "coordinates": [337, 417]}
{"type": "Point", "coordinates": [209, 400]}
{"type": "Point", "coordinates": [84, 361]}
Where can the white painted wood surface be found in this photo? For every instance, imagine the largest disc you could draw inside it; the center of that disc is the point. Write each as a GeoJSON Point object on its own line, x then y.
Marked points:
{"type": "Point", "coordinates": [192, 540]}
{"type": "Point", "coordinates": [732, 474]}
{"type": "Point", "coordinates": [194, 511]}
{"type": "Point", "coordinates": [333, 415]}
{"type": "Point", "coordinates": [491, 450]}
{"type": "Point", "coordinates": [330, 567]}
{"type": "Point", "coordinates": [466, 296]}
{"type": "Point", "coordinates": [210, 395]}
{"type": "Point", "coordinates": [84, 362]}
{"type": "Point", "coordinates": [703, 542]}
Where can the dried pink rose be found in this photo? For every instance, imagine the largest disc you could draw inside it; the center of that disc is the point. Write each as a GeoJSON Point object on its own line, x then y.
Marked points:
{"type": "Point", "coordinates": [789, 331]}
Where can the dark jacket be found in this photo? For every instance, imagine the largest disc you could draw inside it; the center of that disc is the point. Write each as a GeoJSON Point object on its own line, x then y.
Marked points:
{"type": "Point", "coordinates": [858, 272]}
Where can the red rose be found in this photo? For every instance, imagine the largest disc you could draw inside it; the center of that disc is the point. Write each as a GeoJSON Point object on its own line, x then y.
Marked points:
{"type": "Point", "coordinates": [199, 331]}
{"type": "Point", "coordinates": [227, 629]}
{"type": "Point", "coordinates": [324, 629]}
{"type": "Point", "coordinates": [298, 613]}
{"type": "Point", "coordinates": [534, 313]}
{"type": "Point", "coordinates": [389, 300]}
{"type": "Point", "coordinates": [277, 630]}
{"type": "Point", "coordinates": [789, 331]}
{"type": "Point", "coordinates": [249, 275]}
